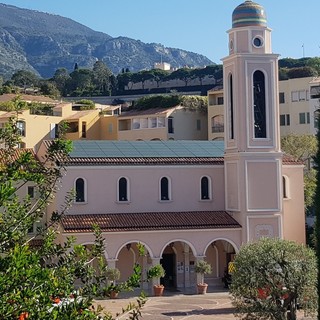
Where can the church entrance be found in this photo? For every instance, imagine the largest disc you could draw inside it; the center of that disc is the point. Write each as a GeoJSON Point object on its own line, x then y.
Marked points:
{"type": "Point", "coordinates": [168, 263]}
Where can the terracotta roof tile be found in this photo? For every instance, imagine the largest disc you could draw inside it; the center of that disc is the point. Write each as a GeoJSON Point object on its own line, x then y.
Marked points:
{"type": "Point", "coordinates": [144, 161]}
{"type": "Point", "coordinates": [149, 221]}
{"type": "Point", "coordinates": [15, 156]}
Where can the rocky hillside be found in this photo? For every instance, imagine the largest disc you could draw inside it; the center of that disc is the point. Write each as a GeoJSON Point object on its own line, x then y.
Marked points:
{"type": "Point", "coordinates": [42, 42]}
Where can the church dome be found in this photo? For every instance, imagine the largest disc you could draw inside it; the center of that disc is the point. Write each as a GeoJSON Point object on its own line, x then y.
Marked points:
{"type": "Point", "coordinates": [249, 13]}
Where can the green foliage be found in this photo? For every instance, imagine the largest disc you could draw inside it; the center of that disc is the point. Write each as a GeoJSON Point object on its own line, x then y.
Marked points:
{"type": "Point", "coordinates": [195, 103]}
{"type": "Point", "coordinates": [202, 267]}
{"type": "Point", "coordinates": [23, 78]}
{"type": "Point", "coordinates": [40, 109]}
{"type": "Point", "coordinates": [157, 101]}
{"type": "Point", "coordinates": [302, 72]}
{"type": "Point", "coordinates": [271, 277]}
{"type": "Point", "coordinates": [86, 104]}
{"type": "Point", "coordinates": [34, 279]}
{"type": "Point", "coordinates": [303, 148]}
{"type": "Point", "coordinates": [317, 211]}
{"type": "Point", "coordinates": [155, 272]}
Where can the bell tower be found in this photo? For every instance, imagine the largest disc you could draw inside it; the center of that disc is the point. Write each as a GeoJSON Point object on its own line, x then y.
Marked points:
{"type": "Point", "coordinates": [253, 158]}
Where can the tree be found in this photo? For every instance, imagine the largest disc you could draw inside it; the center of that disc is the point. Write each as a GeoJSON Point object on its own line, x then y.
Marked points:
{"type": "Point", "coordinates": [49, 88]}
{"type": "Point", "coordinates": [159, 75]}
{"type": "Point", "coordinates": [303, 148]}
{"type": "Point", "coordinates": [81, 82]}
{"type": "Point", "coordinates": [23, 78]}
{"type": "Point", "coordinates": [183, 74]}
{"type": "Point", "coordinates": [34, 279]}
{"type": "Point", "coordinates": [123, 80]}
{"type": "Point", "coordinates": [302, 72]}
{"type": "Point", "coordinates": [195, 103]}
{"type": "Point", "coordinates": [101, 77]}
{"type": "Point", "coordinates": [61, 78]}
{"type": "Point", "coordinates": [317, 211]}
{"type": "Point", "coordinates": [271, 278]}
{"type": "Point", "coordinates": [142, 76]}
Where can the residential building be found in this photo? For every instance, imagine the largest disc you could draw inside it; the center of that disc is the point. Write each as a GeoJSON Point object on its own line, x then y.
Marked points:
{"type": "Point", "coordinates": [175, 123]}
{"type": "Point", "coordinates": [215, 114]}
{"type": "Point", "coordinates": [86, 124]}
{"type": "Point", "coordinates": [299, 102]}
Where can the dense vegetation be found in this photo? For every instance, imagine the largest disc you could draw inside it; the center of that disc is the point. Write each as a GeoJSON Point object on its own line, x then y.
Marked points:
{"type": "Point", "coordinates": [101, 81]}
{"type": "Point", "coordinates": [38, 274]}
{"type": "Point", "coordinates": [272, 278]}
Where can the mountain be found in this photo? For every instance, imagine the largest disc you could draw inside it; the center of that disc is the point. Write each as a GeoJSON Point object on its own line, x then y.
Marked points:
{"type": "Point", "coordinates": [43, 42]}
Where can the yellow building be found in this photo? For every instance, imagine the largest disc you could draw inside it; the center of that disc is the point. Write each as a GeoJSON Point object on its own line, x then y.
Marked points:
{"type": "Point", "coordinates": [175, 123]}
{"type": "Point", "coordinates": [87, 124]}
{"type": "Point", "coordinates": [298, 101]}
{"type": "Point", "coordinates": [215, 114]}
{"type": "Point", "coordinates": [298, 105]}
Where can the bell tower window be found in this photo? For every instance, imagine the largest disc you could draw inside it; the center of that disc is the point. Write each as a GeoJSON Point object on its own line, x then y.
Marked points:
{"type": "Point", "coordinates": [259, 105]}
{"type": "Point", "coordinates": [231, 129]}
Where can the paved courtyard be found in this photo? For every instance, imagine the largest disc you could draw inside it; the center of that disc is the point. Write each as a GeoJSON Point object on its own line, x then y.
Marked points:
{"type": "Point", "coordinates": [213, 306]}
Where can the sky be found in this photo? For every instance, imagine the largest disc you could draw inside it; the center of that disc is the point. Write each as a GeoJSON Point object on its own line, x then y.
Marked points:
{"type": "Point", "coordinates": [199, 26]}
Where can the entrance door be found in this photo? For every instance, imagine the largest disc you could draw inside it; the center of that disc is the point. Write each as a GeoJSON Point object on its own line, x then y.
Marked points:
{"type": "Point", "coordinates": [168, 263]}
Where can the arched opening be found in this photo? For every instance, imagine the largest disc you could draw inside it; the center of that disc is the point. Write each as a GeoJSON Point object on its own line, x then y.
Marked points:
{"type": "Point", "coordinates": [80, 190]}
{"type": "Point", "coordinates": [205, 188]}
{"type": "Point", "coordinates": [164, 189]}
{"type": "Point", "coordinates": [217, 124]}
{"type": "Point", "coordinates": [123, 189]}
{"type": "Point", "coordinates": [259, 105]}
{"type": "Point", "coordinates": [219, 254]}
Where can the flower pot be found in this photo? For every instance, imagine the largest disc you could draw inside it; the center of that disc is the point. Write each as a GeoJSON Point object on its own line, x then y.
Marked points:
{"type": "Point", "coordinates": [114, 294]}
{"type": "Point", "coordinates": [202, 288]}
{"type": "Point", "coordinates": [158, 290]}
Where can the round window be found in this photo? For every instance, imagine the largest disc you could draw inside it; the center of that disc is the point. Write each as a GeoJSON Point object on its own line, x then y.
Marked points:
{"type": "Point", "coordinates": [257, 42]}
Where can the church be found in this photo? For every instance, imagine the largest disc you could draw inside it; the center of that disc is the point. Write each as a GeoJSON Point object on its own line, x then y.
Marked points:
{"type": "Point", "coordinates": [186, 201]}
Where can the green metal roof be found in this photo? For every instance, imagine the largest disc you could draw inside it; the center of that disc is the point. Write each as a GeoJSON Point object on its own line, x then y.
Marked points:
{"type": "Point", "coordinates": [146, 149]}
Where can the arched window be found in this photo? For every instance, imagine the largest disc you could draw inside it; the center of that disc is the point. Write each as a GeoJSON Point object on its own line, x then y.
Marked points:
{"type": "Point", "coordinates": [80, 190]}
{"type": "Point", "coordinates": [164, 189]}
{"type": "Point", "coordinates": [231, 108]}
{"type": "Point", "coordinates": [285, 187]}
{"type": "Point", "coordinates": [123, 189]}
{"type": "Point", "coordinates": [205, 188]}
{"type": "Point", "coordinates": [217, 124]}
{"type": "Point", "coordinates": [259, 105]}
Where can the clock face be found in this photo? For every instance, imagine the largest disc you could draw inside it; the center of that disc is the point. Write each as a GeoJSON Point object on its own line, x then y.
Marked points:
{"type": "Point", "coordinates": [257, 42]}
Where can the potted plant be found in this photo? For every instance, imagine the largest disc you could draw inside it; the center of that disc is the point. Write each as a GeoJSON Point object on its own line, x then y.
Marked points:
{"type": "Point", "coordinates": [202, 267]}
{"type": "Point", "coordinates": [113, 274]}
{"type": "Point", "coordinates": [155, 273]}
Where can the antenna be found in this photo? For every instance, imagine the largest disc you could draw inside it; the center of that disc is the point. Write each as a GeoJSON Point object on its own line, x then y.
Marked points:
{"type": "Point", "coordinates": [303, 50]}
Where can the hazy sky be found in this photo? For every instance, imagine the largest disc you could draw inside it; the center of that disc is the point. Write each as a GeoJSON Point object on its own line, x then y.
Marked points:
{"type": "Point", "coordinates": [194, 25]}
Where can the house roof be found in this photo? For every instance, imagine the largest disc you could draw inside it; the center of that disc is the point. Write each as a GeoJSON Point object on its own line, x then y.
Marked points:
{"type": "Point", "coordinates": [149, 221]}
{"type": "Point", "coordinates": [27, 97]}
{"type": "Point", "coordinates": [78, 115]}
{"type": "Point", "coordinates": [5, 157]}
{"type": "Point", "coordinates": [105, 152]}
{"type": "Point", "coordinates": [183, 152]}
{"type": "Point", "coordinates": [146, 149]}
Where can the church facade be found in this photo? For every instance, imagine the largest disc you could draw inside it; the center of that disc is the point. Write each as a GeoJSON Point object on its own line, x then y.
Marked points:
{"type": "Point", "coordinates": [191, 200]}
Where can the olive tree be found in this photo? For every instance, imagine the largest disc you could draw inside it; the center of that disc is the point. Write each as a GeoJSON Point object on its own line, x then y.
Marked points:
{"type": "Point", "coordinates": [272, 278]}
